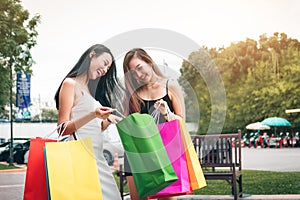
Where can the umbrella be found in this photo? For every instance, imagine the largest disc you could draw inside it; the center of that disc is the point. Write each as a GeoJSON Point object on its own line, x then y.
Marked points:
{"type": "Point", "coordinates": [257, 126]}
{"type": "Point", "coordinates": [276, 121]}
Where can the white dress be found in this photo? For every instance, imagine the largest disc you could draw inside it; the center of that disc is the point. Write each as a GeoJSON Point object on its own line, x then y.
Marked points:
{"type": "Point", "coordinates": [92, 129]}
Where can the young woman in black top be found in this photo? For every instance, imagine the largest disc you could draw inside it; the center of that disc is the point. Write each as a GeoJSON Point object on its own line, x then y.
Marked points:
{"type": "Point", "coordinates": [148, 89]}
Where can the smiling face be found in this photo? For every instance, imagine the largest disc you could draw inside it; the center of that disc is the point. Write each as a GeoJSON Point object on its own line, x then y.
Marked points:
{"type": "Point", "coordinates": [140, 70]}
{"type": "Point", "coordinates": [99, 65]}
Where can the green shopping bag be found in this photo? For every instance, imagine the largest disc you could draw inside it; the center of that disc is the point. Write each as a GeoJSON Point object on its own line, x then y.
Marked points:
{"type": "Point", "coordinates": [149, 162]}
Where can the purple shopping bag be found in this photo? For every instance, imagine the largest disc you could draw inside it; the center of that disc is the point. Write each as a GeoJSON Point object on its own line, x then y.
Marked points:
{"type": "Point", "coordinates": [170, 134]}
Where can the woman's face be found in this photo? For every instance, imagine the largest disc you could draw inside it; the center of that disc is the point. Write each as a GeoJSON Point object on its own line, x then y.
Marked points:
{"type": "Point", "coordinates": [140, 70]}
{"type": "Point", "coordinates": [99, 65]}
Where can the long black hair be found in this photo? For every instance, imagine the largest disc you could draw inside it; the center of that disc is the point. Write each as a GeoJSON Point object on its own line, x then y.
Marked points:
{"type": "Point", "coordinates": [101, 88]}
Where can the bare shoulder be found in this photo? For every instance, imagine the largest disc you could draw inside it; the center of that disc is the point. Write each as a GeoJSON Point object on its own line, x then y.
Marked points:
{"type": "Point", "coordinates": [69, 82]}
{"type": "Point", "coordinates": [68, 86]}
{"type": "Point", "coordinates": [175, 90]}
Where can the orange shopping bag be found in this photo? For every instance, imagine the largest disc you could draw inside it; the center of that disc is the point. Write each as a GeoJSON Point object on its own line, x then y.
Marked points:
{"type": "Point", "coordinates": [197, 179]}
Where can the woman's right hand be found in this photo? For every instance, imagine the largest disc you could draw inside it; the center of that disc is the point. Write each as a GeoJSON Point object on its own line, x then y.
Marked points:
{"type": "Point", "coordinates": [103, 112]}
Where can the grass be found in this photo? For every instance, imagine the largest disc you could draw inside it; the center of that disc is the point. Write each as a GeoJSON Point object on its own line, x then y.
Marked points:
{"type": "Point", "coordinates": [254, 182]}
{"type": "Point", "coordinates": [3, 166]}
{"type": "Point", "coordinates": [257, 182]}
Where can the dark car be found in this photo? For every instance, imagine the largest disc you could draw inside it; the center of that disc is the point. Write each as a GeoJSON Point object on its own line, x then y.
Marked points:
{"type": "Point", "coordinates": [3, 147]}
{"type": "Point", "coordinates": [25, 153]}
{"type": "Point", "coordinates": [19, 149]}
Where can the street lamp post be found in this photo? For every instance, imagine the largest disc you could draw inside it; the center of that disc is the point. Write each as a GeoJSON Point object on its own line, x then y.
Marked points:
{"type": "Point", "coordinates": [11, 157]}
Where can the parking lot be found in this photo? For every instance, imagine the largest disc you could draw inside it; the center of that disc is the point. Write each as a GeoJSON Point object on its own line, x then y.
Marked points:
{"type": "Point", "coordinates": [271, 159]}
{"type": "Point", "coordinates": [112, 146]}
{"type": "Point", "coordinates": [20, 147]}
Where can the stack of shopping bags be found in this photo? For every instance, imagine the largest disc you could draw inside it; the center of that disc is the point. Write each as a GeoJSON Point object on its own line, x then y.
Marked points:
{"type": "Point", "coordinates": [61, 170]}
{"type": "Point", "coordinates": [162, 157]}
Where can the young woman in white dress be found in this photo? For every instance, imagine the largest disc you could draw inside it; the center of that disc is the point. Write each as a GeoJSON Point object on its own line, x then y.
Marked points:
{"type": "Point", "coordinates": [93, 75]}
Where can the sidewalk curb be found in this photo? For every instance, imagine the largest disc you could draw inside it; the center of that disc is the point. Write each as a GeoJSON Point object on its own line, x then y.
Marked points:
{"type": "Point", "coordinates": [20, 168]}
{"type": "Point", "coordinates": [12, 170]}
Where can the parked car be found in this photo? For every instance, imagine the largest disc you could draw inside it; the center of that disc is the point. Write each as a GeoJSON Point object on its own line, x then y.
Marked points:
{"type": "Point", "coordinates": [19, 153]}
{"type": "Point", "coordinates": [26, 154]}
{"type": "Point", "coordinates": [3, 147]}
{"type": "Point", "coordinates": [112, 144]}
{"type": "Point", "coordinates": [19, 149]}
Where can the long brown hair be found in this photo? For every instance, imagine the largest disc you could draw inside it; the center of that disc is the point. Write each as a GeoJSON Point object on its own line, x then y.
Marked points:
{"type": "Point", "coordinates": [132, 100]}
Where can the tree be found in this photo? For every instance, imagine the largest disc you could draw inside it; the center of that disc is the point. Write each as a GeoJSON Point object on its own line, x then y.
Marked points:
{"type": "Point", "coordinates": [261, 80]}
{"type": "Point", "coordinates": [17, 36]}
{"type": "Point", "coordinates": [47, 115]}
{"type": "Point", "coordinates": [204, 80]}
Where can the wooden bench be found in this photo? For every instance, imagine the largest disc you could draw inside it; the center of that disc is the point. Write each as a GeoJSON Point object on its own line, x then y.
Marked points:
{"type": "Point", "coordinates": [220, 157]}
{"type": "Point", "coordinates": [122, 181]}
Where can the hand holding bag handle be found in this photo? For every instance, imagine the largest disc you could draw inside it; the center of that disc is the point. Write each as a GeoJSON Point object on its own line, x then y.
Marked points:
{"type": "Point", "coordinates": [156, 113]}
{"type": "Point", "coordinates": [61, 128]}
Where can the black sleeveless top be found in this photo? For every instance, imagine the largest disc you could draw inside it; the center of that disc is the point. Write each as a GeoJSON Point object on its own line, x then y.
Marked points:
{"type": "Point", "coordinates": [148, 105]}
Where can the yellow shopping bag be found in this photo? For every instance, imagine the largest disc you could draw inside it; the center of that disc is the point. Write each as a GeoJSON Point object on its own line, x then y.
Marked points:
{"type": "Point", "coordinates": [196, 175]}
{"type": "Point", "coordinates": [72, 170]}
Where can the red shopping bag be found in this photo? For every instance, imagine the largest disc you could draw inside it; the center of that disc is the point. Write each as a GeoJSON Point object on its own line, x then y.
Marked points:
{"type": "Point", "coordinates": [35, 181]}
{"type": "Point", "coordinates": [171, 137]}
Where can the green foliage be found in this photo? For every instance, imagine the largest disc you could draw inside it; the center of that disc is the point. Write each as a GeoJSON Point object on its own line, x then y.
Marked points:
{"type": "Point", "coordinates": [47, 115]}
{"type": "Point", "coordinates": [257, 182]}
{"type": "Point", "coordinates": [18, 36]}
{"type": "Point", "coordinates": [117, 179]}
{"type": "Point", "coordinates": [261, 79]}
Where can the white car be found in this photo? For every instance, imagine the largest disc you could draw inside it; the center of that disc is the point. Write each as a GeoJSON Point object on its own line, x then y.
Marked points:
{"type": "Point", "coordinates": [112, 144]}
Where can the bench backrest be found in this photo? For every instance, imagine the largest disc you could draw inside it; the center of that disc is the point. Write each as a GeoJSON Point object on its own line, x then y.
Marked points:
{"type": "Point", "coordinates": [222, 150]}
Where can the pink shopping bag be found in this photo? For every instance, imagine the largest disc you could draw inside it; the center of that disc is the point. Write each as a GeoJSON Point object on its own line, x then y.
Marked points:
{"type": "Point", "coordinates": [171, 137]}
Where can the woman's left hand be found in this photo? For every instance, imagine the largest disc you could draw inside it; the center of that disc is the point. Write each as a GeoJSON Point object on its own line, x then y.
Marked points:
{"type": "Point", "coordinates": [161, 105]}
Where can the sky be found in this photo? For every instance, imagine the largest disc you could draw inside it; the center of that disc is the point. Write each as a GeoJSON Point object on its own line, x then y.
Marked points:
{"type": "Point", "coordinates": [69, 27]}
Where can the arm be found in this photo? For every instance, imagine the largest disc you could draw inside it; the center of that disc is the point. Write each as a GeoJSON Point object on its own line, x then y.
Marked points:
{"type": "Point", "coordinates": [66, 102]}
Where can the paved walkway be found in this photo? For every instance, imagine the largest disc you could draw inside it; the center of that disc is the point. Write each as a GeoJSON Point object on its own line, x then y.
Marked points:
{"type": "Point", "coordinates": [256, 159]}
{"type": "Point", "coordinates": [205, 197]}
